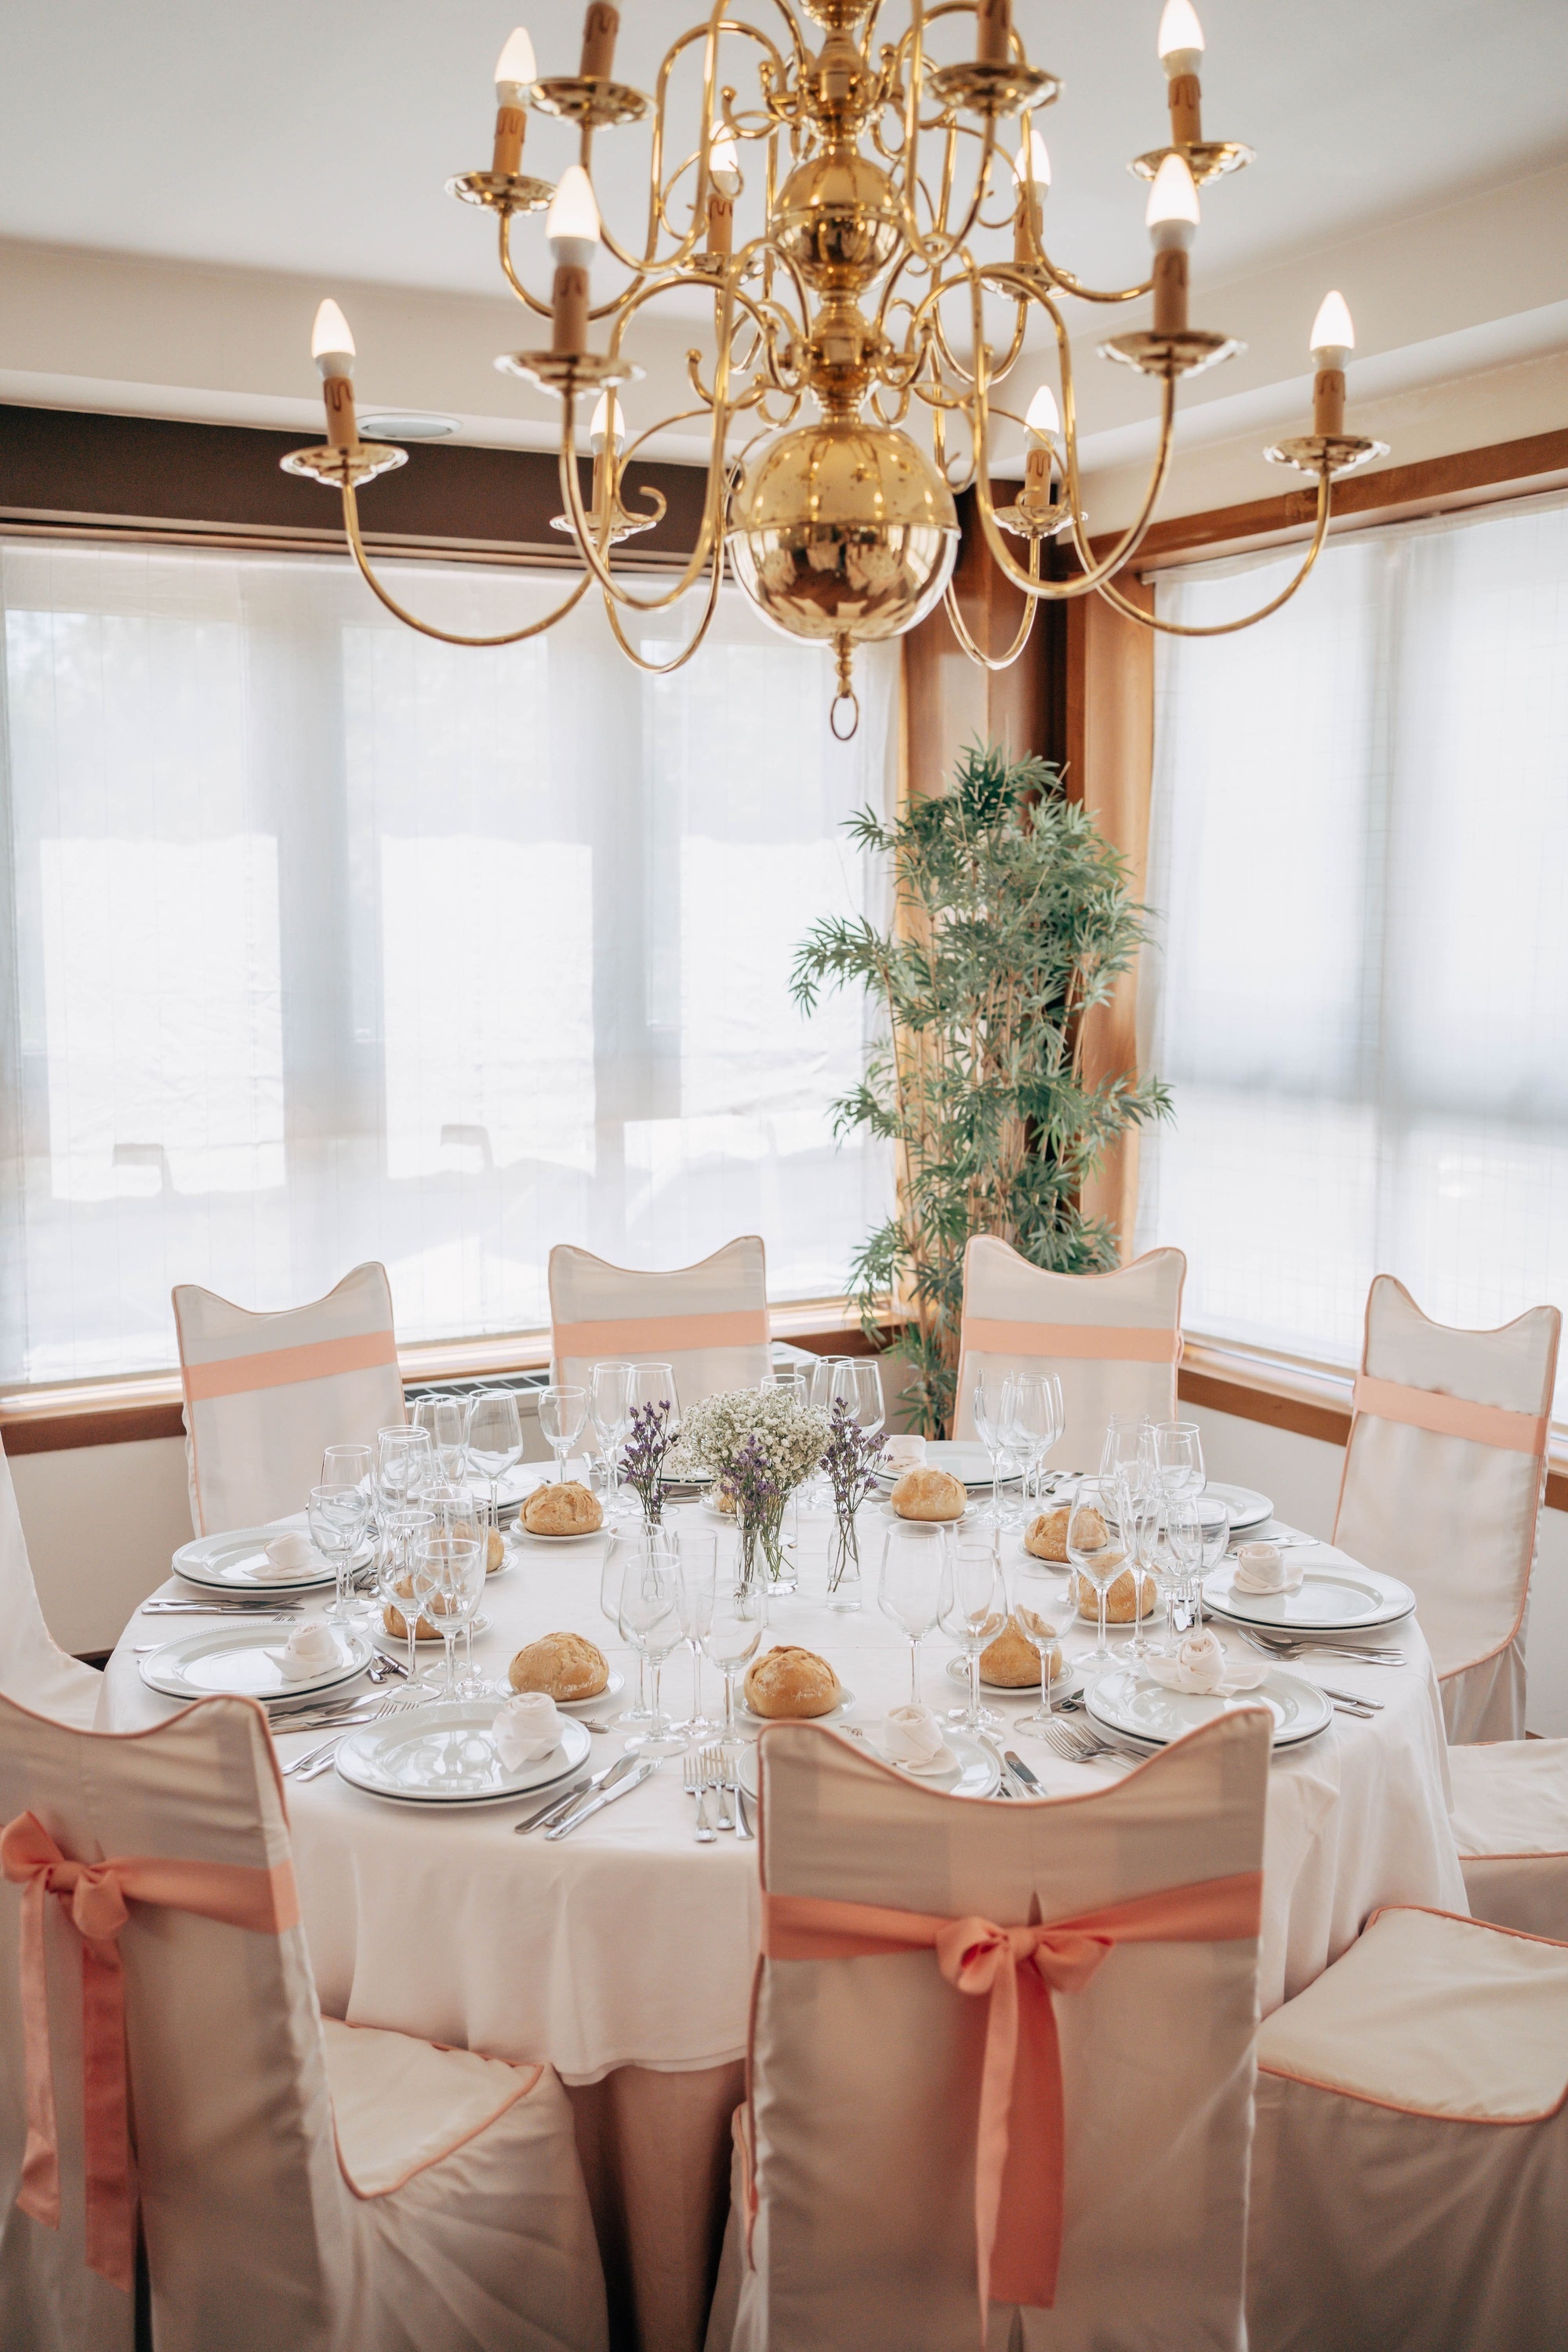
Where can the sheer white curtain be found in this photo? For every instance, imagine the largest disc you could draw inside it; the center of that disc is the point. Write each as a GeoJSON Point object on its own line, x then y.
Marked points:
{"type": "Point", "coordinates": [328, 942]}
{"type": "Point", "coordinates": [1360, 992]}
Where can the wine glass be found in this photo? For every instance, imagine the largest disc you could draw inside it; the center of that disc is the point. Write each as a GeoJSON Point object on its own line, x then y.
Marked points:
{"type": "Point", "coordinates": [869, 1405]}
{"type": "Point", "coordinates": [457, 1510]}
{"type": "Point", "coordinates": [563, 1417]}
{"type": "Point", "coordinates": [1037, 1628]}
{"type": "Point", "coordinates": [612, 1581]}
{"type": "Point", "coordinates": [1125, 1444]}
{"type": "Point", "coordinates": [346, 1466]}
{"type": "Point", "coordinates": [832, 1378]}
{"type": "Point", "coordinates": [1177, 1448]}
{"type": "Point", "coordinates": [405, 1464]}
{"type": "Point", "coordinates": [909, 1587]}
{"type": "Point", "coordinates": [696, 1553]}
{"type": "Point", "coordinates": [991, 1404]}
{"type": "Point", "coordinates": [973, 1610]}
{"type": "Point", "coordinates": [650, 1618]}
{"type": "Point", "coordinates": [610, 1412]}
{"type": "Point", "coordinates": [731, 1642]}
{"type": "Point", "coordinates": [1036, 1424]}
{"type": "Point", "coordinates": [1199, 1535]}
{"type": "Point", "coordinates": [494, 1440]}
{"type": "Point", "coordinates": [402, 1534]}
{"type": "Point", "coordinates": [1139, 1505]}
{"type": "Point", "coordinates": [1094, 1550]}
{"type": "Point", "coordinates": [791, 1382]}
{"type": "Point", "coordinates": [448, 1582]}
{"type": "Point", "coordinates": [337, 1516]}
{"type": "Point", "coordinates": [446, 1418]}
{"type": "Point", "coordinates": [655, 1384]}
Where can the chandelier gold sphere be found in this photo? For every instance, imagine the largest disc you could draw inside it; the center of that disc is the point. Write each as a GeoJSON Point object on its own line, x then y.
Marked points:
{"type": "Point", "coordinates": [886, 270]}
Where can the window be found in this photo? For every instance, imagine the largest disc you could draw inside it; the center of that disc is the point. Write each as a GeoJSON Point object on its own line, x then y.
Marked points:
{"type": "Point", "coordinates": [331, 942]}
{"type": "Point", "coordinates": [1359, 997]}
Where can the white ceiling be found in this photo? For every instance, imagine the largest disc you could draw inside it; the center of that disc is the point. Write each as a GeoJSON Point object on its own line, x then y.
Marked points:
{"type": "Point", "coordinates": [315, 138]}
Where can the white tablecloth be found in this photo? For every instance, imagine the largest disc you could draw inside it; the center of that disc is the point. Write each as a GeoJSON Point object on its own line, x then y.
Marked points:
{"type": "Point", "coordinates": [629, 1943]}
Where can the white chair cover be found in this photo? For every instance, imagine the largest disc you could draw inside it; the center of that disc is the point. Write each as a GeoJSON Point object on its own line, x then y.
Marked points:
{"type": "Point", "coordinates": [1443, 1481]}
{"type": "Point", "coordinates": [709, 1320]}
{"type": "Point", "coordinates": [1114, 1340]}
{"type": "Point", "coordinates": [1511, 1825]}
{"type": "Point", "coordinates": [32, 1670]}
{"type": "Point", "coordinates": [266, 1394]}
{"type": "Point", "coordinates": [303, 2184]}
{"type": "Point", "coordinates": [864, 2071]}
{"type": "Point", "coordinates": [1410, 2168]}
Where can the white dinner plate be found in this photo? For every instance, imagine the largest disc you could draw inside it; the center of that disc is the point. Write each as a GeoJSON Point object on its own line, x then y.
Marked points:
{"type": "Point", "coordinates": [446, 1755]}
{"type": "Point", "coordinates": [972, 1768]}
{"type": "Point", "coordinates": [1124, 1701]}
{"type": "Point", "coordinates": [530, 1535]}
{"type": "Point", "coordinates": [1248, 1508]}
{"type": "Point", "coordinates": [234, 1561]}
{"type": "Point", "coordinates": [1330, 1600]}
{"type": "Point", "coordinates": [1066, 1684]}
{"type": "Point", "coordinates": [960, 1458]}
{"type": "Point", "coordinates": [968, 1518]}
{"type": "Point", "coordinates": [612, 1689]}
{"type": "Point", "coordinates": [243, 1661]}
{"type": "Point", "coordinates": [846, 1701]}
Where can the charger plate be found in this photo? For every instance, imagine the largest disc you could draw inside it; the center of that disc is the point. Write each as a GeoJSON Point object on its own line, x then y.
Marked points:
{"type": "Point", "coordinates": [234, 1561]}
{"type": "Point", "coordinates": [1122, 1700]}
{"type": "Point", "coordinates": [445, 1755]}
{"type": "Point", "coordinates": [1330, 1600]}
{"type": "Point", "coordinates": [237, 1661]}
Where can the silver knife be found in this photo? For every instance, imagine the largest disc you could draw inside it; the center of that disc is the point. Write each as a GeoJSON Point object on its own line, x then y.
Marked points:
{"type": "Point", "coordinates": [607, 1796]}
{"type": "Point", "coordinates": [561, 1801]}
{"type": "Point", "coordinates": [1022, 1769]}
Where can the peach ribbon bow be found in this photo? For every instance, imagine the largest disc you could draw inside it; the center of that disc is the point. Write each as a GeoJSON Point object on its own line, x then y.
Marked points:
{"type": "Point", "coordinates": [1020, 2139]}
{"type": "Point", "coordinates": [96, 1893]}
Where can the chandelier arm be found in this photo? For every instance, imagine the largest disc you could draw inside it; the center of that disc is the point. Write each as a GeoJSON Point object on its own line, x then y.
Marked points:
{"type": "Point", "coordinates": [428, 628]}
{"type": "Point", "coordinates": [996, 661]}
{"type": "Point", "coordinates": [531, 301]}
{"type": "Point", "coordinates": [572, 499]}
{"type": "Point", "coordinates": [664, 669]}
{"type": "Point", "coordinates": [1228, 628]}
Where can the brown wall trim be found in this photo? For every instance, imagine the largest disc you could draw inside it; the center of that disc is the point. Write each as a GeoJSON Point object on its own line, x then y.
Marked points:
{"type": "Point", "coordinates": [67, 469]}
{"type": "Point", "coordinates": [1466, 478]}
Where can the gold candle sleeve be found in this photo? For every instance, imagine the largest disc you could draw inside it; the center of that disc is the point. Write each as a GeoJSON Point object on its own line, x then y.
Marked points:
{"type": "Point", "coordinates": [511, 123]}
{"type": "Point", "coordinates": [570, 312]}
{"type": "Point", "coordinates": [1171, 291]}
{"type": "Point", "coordinates": [1185, 93]}
{"type": "Point", "coordinates": [600, 26]}
{"type": "Point", "coordinates": [1329, 402]}
{"type": "Point", "coordinates": [343, 428]}
{"type": "Point", "coordinates": [993, 23]}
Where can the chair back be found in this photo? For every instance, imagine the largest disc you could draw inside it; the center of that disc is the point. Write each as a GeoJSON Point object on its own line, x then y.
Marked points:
{"type": "Point", "coordinates": [32, 1670]}
{"type": "Point", "coordinates": [1112, 1339]}
{"type": "Point", "coordinates": [1446, 1466]}
{"type": "Point", "coordinates": [866, 2071]}
{"type": "Point", "coordinates": [266, 1394]}
{"type": "Point", "coordinates": [709, 1320]}
{"type": "Point", "coordinates": [242, 2201]}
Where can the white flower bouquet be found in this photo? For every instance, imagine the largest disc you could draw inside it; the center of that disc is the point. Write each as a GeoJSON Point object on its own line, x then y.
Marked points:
{"type": "Point", "coordinates": [759, 1444]}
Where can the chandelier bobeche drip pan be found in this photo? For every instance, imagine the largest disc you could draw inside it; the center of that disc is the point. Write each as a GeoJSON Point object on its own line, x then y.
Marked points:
{"type": "Point", "coordinates": [857, 308]}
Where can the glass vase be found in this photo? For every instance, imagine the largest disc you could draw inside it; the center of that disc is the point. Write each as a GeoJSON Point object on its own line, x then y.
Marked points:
{"type": "Point", "coordinates": [844, 1563]}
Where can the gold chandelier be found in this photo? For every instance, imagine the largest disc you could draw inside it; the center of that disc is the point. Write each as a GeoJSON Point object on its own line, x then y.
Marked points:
{"type": "Point", "coordinates": [857, 307]}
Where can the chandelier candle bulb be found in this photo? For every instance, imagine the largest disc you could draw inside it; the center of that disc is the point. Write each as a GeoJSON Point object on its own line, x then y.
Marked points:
{"type": "Point", "coordinates": [1181, 45]}
{"type": "Point", "coordinates": [994, 24]}
{"type": "Point", "coordinates": [332, 349]}
{"type": "Point", "coordinates": [1172, 220]}
{"type": "Point", "coordinates": [600, 26]}
{"type": "Point", "coordinates": [723, 184]}
{"type": "Point", "coordinates": [515, 74]}
{"type": "Point", "coordinates": [1332, 342]}
{"type": "Point", "coordinates": [1029, 221]}
{"type": "Point", "coordinates": [1042, 421]}
{"type": "Point", "coordinates": [571, 230]}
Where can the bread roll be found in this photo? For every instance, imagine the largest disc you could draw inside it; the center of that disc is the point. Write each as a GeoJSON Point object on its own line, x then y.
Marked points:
{"type": "Point", "coordinates": [1047, 1535]}
{"type": "Point", "coordinates": [495, 1544]}
{"type": "Point", "coordinates": [565, 1665]}
{"type": "Point", "coordinates": [929, 1494]}
{"type": "Point", "coordinates": [1117, 1600]}
{"type": "Point", "coordinates": [1011, 1662]}
{"type": "Point", "coordinates": [397, 1623]}
{"type": "Point", "coordinates": [565, 1510]}
{"type": "Point", "coordinates": [791, 1682]}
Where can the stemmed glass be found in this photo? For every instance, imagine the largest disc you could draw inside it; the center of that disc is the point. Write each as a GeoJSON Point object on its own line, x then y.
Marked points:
{"type": "Point", "coordinates": [697, 1554]}
{"type": "Point", "coordinates": [563, 1417]}
{"type": "Point", "coordinates": [449, 1579]}
{"type": "Point", "coordinates": [1199, 1535]}
{"type": "Point", "coordinates": [398, 1558]}
{"type": "Point", "coordinates": [910, 1588]}
{"type": "Point", "coordinates": [973, 1610]}
{"type": "Point", "coordinates": [1039, 1629]}
{"type": "Point", "coordinates": [1126, 1444]}
{"type": "Point", "coordinates": [990, 1405]}
{"type": "Point", "coordinates": [495, 1440]}
{"type": "Point", "coordinates": [612, 1581]}
{"type": "Point", "coordinates": [338, 1516]}
{"type": "Point", "coordinates": [1177, 1449]}
{"type": "Point", "coordinates": [1139, 1503]}
{"type": "Point", "coordinates": [1093, 1550]}
{"type": "Point", "coordinates": [650, 1618]}
{"type": "Point", "coordinates": [446, 1419]}
{"type": "Point", "coordinates": [1035, 1423]}
{"type": "Point", "coordinates": [458, 1511]}
{"type": "Point", "coordinates": [405, 1464]}
{"type": "Point", "coordinates": [655, 1384]}
{"type": "Point", "coordinates": [832, 1377]}
{"type": "Point", "coordinates": [731, 1642]}
{"type": "Point", "coordinates": [347, 1465]}
{"type": "Point", "coordinates": [791, 1382]}
{"type": "Point", "coordinates": [610, 1411]}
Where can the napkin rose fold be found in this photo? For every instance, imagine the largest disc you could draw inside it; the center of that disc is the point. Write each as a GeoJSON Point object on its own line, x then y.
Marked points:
{"type": "Point", "coordinates": [1202, 1665]}
{"type": "Point", "coordinates": [310, 1649]}
{"type": "Point", "coordinates": [1264, 1568]}
{"type": "Point", "coordinates": [287, 1554]}
{"type": "Point", "coordinates": [903, 1453]}
{"type": "Point", "coordinates": [912, 1735]}
{"type": "Point", "coordinates": [527, 1727]}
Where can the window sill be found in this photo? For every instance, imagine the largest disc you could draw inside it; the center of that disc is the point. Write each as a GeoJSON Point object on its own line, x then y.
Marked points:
{"type": "Point", "coordinates": [127, 1410]}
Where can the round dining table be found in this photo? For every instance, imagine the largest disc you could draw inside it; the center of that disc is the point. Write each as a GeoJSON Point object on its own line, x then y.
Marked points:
{"type": "Point", "coordinates": [623, 1954]}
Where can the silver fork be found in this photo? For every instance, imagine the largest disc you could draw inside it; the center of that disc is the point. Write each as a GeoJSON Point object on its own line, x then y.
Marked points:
{"type": "Point", "coordinates": [699, 1788]}
{"type": "Point", "coordinates": [1285, 1646]}
{"type": "Point", "coordinates": [316, 1759]}
{"type": "Point", "coordinates": [1076, 1746]}
{"type": "Point", "coordinates": [714, 1773]}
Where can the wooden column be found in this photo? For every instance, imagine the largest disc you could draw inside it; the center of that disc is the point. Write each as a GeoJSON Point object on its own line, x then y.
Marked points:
{"type": "Point", "coordinates": [949, 700]}
{"type": "Point", "coordinates": [1108, 726]}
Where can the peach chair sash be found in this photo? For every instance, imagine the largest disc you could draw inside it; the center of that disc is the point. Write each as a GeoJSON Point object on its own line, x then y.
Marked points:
{"type": "Point", "coordinates": [709, 1320]}
{"type": "Point", "coordinates": [1017, 1971]}
{"type": "Point", "coordinates": [1083, 1342]}
{"type": "Point", "coordinates": [642, 1335]}
{"type": "Point", "coordinates": [95, 1894]}
{"type": "Point", "coordinates": [1452, 1416]}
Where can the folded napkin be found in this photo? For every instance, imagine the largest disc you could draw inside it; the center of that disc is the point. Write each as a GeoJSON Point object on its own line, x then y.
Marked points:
{"type": "Point", "coordinates": [287, 1554]}
{"type": "Point", "coordinates": [1203, 1666]}
{"type": "Point", "coordinates": [310, 1649]}
{"type": "Point", "coordinates": [903, 1453]}
{"type": "Point", "coordinates": [1264, 1568]}
{"type": "Point", "coordinates": [527, 1727]}
{"type": "Point", "coordinates": [912, 1735]}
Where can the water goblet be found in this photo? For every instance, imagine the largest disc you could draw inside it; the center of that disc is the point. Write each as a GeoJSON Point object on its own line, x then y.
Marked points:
{"type": "Point", "coordinates": [1035, 1424]}
{"type": "Point", "coordinates": [1177, 1452]}
{"type": "Point", "coordinates": [973, 1610]}
{"type": "Point", "coordinates": [563, 1417]}
{"type": "Point", "coordinates": [909, 1587]}
{"type": "Point", "coordinates": [1039, 1629]}
{"type": "Point", "coordinates": [337, 1516]}
{"type": "Point", "coordinates": [1139, 1503]}
{"type": "Point", "coordinates": [405, 1464]}
{"type": "Point", "coordinates": [1094, 1550]}
{"type": "Point", "coordinates": [991, 1404]}
{"type": "Point", "coordinates": [447, 1583]}
{"type": "Point", "coordinates": [494, 1440]}
{"type": "Point", "coordinates": [446, 1419]}
{"type": "Point", "coordinates": [696, 1553]}
{"type": "Point", "coordinates": [650, 1618]}
{"type": "Point", "coordinates": [610, 1411]}
{"type": "Point", "coordinates": [731, 1642]}
{"type": "Point", "coordinates": [399, 1545]}
{"type": "Point", "coordinates": [611, 1582]}
{"type": "Point", "coordinates": [346, 1466]}
{"type": "Point", "coordinates": [458, 1511]}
